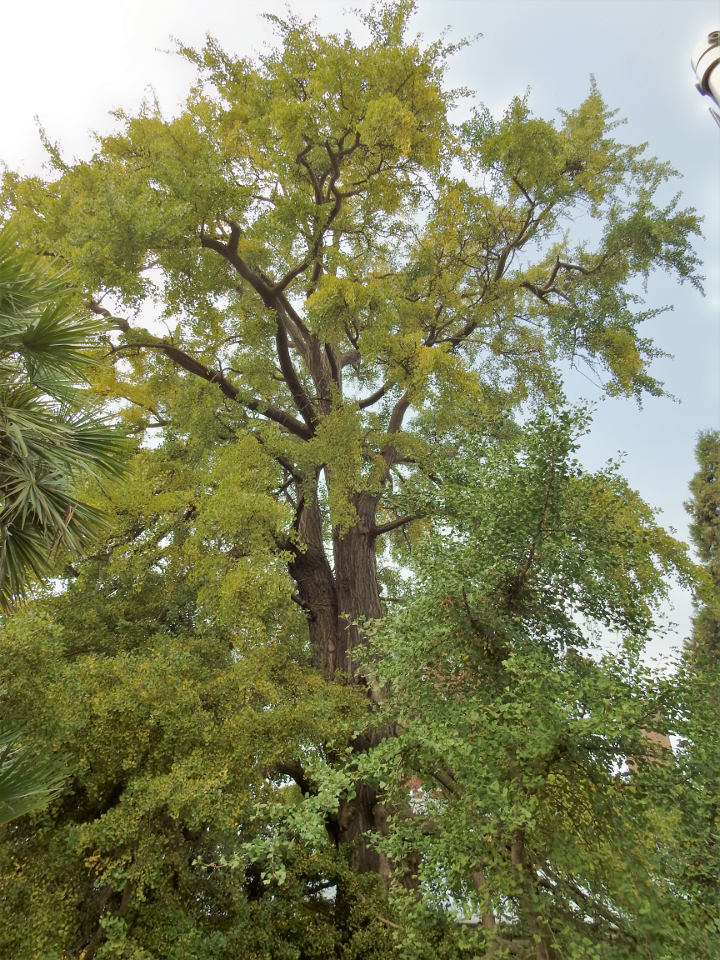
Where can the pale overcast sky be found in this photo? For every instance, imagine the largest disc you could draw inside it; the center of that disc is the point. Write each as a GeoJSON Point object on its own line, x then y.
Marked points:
{"type": "Point", "coordinates": [72, 62]}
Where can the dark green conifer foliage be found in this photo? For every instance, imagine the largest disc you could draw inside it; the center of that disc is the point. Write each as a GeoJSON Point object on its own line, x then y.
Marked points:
{"type": "Point", "coordinates": [704, 510]}
{"type": "Point", "coordinates": [698, 754]}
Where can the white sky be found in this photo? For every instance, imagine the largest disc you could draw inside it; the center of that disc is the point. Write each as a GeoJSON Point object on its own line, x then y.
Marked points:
{"type": "Point", "coordinates": [72, 62]}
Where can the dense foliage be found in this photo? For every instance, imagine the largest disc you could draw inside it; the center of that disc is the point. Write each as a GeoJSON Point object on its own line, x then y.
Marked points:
{"type": "Point", "coordinates": [50, 437]}
{"type": "Point", "coordinates": [529, 783]}
{"type": "Point", "coordinates": [331, 685]}
{"type": "Point", "coordinates": [169, 718]}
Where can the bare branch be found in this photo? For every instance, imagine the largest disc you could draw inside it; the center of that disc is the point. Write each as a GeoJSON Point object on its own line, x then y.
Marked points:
{"type": "Point", "coordinates": [120, 322]}
{"type": "Point", "coordinates": [374, 397]}
{"type": "Point", "coordinates": [381, 528]}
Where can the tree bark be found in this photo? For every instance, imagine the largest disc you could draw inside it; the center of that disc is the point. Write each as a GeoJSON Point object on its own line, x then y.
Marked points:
{"type": "Point", "coordinates": [528, 898]}
{"type": "Point", "coordinates": [315, 582]}
{"type": "Point", "coordinates": [358, 593]}
{"type": "Point", "coordinates": [335, 601]}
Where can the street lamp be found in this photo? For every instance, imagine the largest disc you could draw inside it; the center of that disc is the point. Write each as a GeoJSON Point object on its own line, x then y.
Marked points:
{"type": "Point", "coordinates": [705, 62]}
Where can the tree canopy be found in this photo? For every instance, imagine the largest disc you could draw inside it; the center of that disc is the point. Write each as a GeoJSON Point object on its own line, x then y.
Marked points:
{"type": "Point", "coordinates": [329, 687]}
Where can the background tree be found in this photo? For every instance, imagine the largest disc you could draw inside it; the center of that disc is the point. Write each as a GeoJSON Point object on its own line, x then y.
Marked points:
{"type": "Point", "coordinates": [698, 753]}
{"type": "Point", "coordinates": [704, 510]}
{"type": "Point", "coordinates": [358, 279]}
{"type": "Point", "coordinates": [522, 785]}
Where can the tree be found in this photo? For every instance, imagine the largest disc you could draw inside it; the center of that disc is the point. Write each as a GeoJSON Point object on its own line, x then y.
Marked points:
{"type": "Point", "coordinates": [318, 259]}
{"type": "Point", "coordinates": [698, 682]}
{"type": "Point", "coordinates": [176, 680]}
{"type": "Point", "coordinates": [175, 673]}
{"type": "Point", "coordinates": [522, 785]}
{"type": "Point", "coordinates": [704, 510]}
{"type": "Point", "coordinates": [48, 434]}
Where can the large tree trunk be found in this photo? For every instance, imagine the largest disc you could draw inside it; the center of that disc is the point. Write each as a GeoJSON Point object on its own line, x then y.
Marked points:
{"type": "Point", "coordinates": [335, 602]}
{"type": "Point", "coordinates": [358, 594]}
{"type": "Point", "coordinates": [313, 575]}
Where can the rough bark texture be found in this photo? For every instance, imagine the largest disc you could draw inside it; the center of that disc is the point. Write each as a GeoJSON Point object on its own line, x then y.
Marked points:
{"type": "Point", "coordinates": [358, 593]}
{"type": "Point", "coordinates": [316, 589]}
{"type": "Point", "coordinates": [336, 599]}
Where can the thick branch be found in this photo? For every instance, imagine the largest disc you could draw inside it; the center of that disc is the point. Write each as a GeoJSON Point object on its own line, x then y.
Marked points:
{"type": "Point", "coordinates": [445, 780]}
{"type": "Point", "coordinates": [273, 297]}
{"type": "Point", "coordinates": [294, 769]}
{"type": "Point", "coordinates": [300, 158]}
{"type": "Point", "coordinates": [302, 401]}
{"type": "Point", "coordinates": [389, 451]}
{"type": "Point", "coordinates": [229, 390]}
{"type": "Point", "coordinates": [289, 277]}
{"type": "Point", "coordinates": [290, 468]}
{"type": "Point", "coordinates": [398, 414]}
{"type": "Point", "coordinates": [229, 251]}
{"type": "Point", "coordinates": [185, 361]}
{"type": "Point", "coordinates": [381, 528]}
{"type": "Point", "coordinates": [350, 357]}
{"type": "Point", "coordinates": [333, 362]}
{"type": "Point", "coordinates": [120, 322]}
{"type": "Point", "coordinates": [280, 417]}
{"type": "Point", "coordinates": [374, 397]}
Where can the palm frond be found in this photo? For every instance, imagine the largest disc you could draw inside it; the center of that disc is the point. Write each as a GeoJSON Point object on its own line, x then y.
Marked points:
{"type": "Point", "coordinates": [51, 438]}
{"type": "Point", "coordinates": [29, 778]}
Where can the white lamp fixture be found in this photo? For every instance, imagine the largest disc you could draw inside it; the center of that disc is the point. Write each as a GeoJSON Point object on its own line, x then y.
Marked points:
{"type": "Point", "coordinates": [705, 62]}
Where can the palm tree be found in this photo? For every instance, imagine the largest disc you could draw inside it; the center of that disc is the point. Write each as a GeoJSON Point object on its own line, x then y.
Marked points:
{"type": "Point", "coordinates": [29, 778]}
{"type": "Point", "coordinates": [50, 438]}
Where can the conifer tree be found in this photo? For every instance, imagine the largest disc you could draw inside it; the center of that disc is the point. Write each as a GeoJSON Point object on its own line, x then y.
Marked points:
{"type": "Point", "coordinates": [704, 510]}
